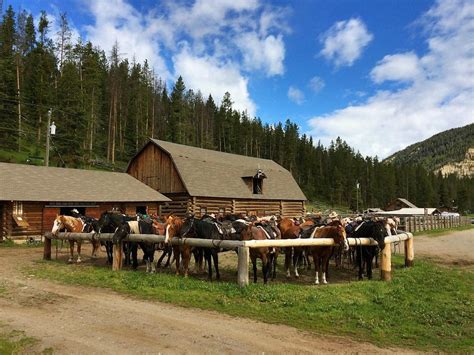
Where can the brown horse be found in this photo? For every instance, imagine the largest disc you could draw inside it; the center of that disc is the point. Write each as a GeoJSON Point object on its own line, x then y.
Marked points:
{"type": "Point", "coordinates": [75, 225]}
{"type": "Point", "coordinates": [321, 254]}
{"type": "Point", "coordinates": [289, 230]}
{"type": "Point", "coordinates": [266, 254]}
{"type": "Point", "coordinates": [174, 228]}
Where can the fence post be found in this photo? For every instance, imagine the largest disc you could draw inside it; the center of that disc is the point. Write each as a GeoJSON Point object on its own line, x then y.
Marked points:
{"type": "Point", "coordinates": [47, 249]}
{"type": "Point", "coordinates": [118, 254]}
{"type": "Point", "coordinates": [409, 252]}
{"type": "Point", "coordinates": [386, 263]}
{"type": "Point", "coordinates": [243, 266]}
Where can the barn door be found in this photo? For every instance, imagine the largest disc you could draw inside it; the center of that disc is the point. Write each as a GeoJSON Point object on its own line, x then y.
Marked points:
{"type": "Point", "coordinates": [49, 215]}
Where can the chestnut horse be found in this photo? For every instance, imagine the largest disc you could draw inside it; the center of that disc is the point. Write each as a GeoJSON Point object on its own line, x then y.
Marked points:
{"type": "Point", "coordinates": [75, 225]}
{"type": "Point", "coordinates": [175, 228]}
{"type": "Point", "coordinates": [321, 254]}
{"type": "Point", "coordinates": [160, 229]}
{"type": "Point", "coordinates": [266, 254]}
{"type": "Point", "coordinates": [289, 230]}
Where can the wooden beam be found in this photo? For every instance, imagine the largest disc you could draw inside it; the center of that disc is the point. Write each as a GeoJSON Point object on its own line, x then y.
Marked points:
{"type": "Point", "coordinates": [409, 252]}
{"type": "Point", "coordinates": [47, 249]}
{"type": "Point", "coordinates": [243, 266]}
{"type": "Point", "coordinates": [386, 263]}
{"type": "Point", "coordinates": [118, 254]}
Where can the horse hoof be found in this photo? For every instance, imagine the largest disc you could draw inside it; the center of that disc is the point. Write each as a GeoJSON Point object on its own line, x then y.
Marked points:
{"type": "Point", "coordinates": [79, 260]}
{"type": "Point", "coordinates": [70, 261]}
{"type": "Point", "coordinates": [325, 282]}
{"type": "Point", "coordinates": [316, 282]}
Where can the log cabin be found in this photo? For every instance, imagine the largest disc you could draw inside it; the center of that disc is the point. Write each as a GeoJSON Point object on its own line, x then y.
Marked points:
{"type": "Point", "coordinates": [201, 181]}
{"type": "Point", "coordinates": [32, 196]}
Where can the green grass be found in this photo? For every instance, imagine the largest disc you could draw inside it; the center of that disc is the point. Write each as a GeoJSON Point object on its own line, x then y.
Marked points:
{"type": "Point", "coordinates": [443, 231]}
{"type": "Point", "coordinates": [16, 342]}
{"type": "Point", "coordinates": [426, 307]}
{"type": "Point", "coordinates": [11, 244]}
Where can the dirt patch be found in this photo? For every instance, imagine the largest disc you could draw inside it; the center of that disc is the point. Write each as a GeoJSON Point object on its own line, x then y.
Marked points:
{"type": "Point", "coordinates": [452, 249]}
{"type": "Point", "coordinates": [80, 320]}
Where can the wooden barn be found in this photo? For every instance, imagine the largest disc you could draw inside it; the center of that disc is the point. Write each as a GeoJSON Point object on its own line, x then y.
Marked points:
{"type": "Point", "coordinates": [398, 203]}
{"type": "Point", "coordinates": [32, 196]}
{"type": "Point", "coordinates": [203, 181]}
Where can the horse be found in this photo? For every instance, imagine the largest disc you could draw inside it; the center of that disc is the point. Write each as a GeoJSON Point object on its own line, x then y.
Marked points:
{"type": "Point", "coordinates": [289, 230]}
{"type": "Point", "coordinates": [175, 228]}
{"type": "Point", "coordinates": [75, 225]}
{"type": "Point", "coordinates": [160, 229]}
{"type": "Point", "coordinates": [272, 231]}
{"type": "Point", "coordinates": [321, 254]}
{"type": "Point", "coordinates": [365, 254]}
{"type": "Point", "coordinates": [137, 227]}
{"type": "Point", "coordinates": [266, 254]}
{"type": "Point", "coordinates": [109, 222]}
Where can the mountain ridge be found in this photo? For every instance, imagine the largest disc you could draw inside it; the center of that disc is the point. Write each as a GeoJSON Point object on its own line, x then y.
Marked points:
{"type": "Point", "coordinates": [449, 147]}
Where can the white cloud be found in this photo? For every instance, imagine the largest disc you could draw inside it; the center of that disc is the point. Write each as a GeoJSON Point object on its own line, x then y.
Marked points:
{"type": "Point", "coordinates": [344, 42]}
{"type": "Point", "coordinates": [118, 21]}
{"type": "Point", "coordinates": [439, 98]}
{"type": "Point", "coordinates": [316, 84]}
{"type": "Point", "coordinates": [397, 67]}
{"type": "Point", "coordinates": [295, 95]}
{"type": "Point", "coordinates": [215, 78]}
{"type": "Point", "coordinates": [235, 38]}
{"type": "Point", "coordinates": [266, 54]}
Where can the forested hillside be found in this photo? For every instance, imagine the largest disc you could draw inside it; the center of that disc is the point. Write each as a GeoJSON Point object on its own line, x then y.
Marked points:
{"type": "Point", "coordinates": [445, 147]}
{"type": "Point", "coordinates": [106, 107]}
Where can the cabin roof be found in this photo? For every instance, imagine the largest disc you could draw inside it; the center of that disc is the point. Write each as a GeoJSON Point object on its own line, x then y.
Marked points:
{"type": "Point", "coordinates": [211, 173]}
{"type": "Point", "coordinates": [410, 211]}
{"type": "Point", "coordinates": [39, 183]}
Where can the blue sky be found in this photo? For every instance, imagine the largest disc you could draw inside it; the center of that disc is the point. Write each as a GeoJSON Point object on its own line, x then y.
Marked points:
{"type": "Point", "coordinates": [382, 74]}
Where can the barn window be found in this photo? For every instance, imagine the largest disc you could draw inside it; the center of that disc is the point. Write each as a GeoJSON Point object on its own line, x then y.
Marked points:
{"type": "Point", "coordinates": [257, 182]}
{"type": "Point", "coordinates": [17, 208]}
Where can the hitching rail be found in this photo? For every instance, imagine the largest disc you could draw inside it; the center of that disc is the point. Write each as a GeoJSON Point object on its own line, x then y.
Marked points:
{"type": "Point", "coordinates": [243, 247]}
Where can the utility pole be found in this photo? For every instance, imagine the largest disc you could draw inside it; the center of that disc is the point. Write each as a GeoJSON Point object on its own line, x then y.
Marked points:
{"type": "Point", "coordinates": [51, 130]}
{"type": "Point", "coordinates": [357, 195]}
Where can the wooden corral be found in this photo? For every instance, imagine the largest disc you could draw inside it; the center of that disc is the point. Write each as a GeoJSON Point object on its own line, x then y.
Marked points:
{"type": "Point", "coordinates": [203, 181]}
{"type": "Point", "coordinates": [243, 248]}
{"type": "Point", "coordinates": [32, 196]}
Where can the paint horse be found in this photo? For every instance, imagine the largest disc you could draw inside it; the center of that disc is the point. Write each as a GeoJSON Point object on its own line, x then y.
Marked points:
{"type": "Point", "coordinates": [74, 225]}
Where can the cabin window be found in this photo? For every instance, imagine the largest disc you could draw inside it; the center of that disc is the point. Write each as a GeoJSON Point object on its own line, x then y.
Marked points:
{"type": "Point", "coordinates": [68, 211]}
{"type": "Point", "coordinates": [17, 208]}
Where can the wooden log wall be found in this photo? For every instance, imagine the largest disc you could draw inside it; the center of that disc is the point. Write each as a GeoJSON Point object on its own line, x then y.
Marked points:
{"type": "Point", "coordinates": [179, 206]}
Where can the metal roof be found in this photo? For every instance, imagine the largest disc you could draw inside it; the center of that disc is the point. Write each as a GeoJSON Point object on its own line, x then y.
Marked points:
{"type": "Point", "coordinates": [39, 183]}
{"type": "Point", "coordinates": [217, 174]}
{"type": "Point", "coordinates": [410, 211]}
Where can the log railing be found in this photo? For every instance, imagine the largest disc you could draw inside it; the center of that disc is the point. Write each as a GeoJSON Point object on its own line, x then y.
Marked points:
{"type": "Point", "coordinates": [242, 247]}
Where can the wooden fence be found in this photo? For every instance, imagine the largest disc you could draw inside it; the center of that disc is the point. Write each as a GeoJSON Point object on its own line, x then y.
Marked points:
{"type": "Point", "coordinates": [243, 248]}
{"type": "Point", "coordinates": [429, 222]}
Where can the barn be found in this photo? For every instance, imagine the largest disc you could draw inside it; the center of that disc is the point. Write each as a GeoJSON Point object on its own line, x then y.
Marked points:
{"type": "Point", "coordinates": [399, 203]}
{"type": "Point", "coordinates": [32, 196]}
{"type": "Point", "coordinates": [203, 181]}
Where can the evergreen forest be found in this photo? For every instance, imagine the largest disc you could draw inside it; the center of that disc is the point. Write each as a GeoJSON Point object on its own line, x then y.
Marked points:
{"type": "Point", "coordinates": [106, 107]}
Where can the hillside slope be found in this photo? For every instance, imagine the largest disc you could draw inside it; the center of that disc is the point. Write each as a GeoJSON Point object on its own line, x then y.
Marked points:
{"type": "Point", "coordinates": [443, 148]}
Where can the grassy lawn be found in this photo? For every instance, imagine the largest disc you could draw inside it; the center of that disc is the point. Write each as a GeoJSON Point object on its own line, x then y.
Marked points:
{"type": "Point", "coordinates": [16, 342]}
{"type": "Point", "coordinates": [444, 231]}
{"type": "Point", "coordinates": [426, 307]}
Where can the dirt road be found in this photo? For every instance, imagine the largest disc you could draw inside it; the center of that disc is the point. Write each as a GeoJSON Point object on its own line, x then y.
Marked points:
{"type": "Point", "coordinates": [456, 248]}
{"type": "Point", "coordinates": [87, 320]}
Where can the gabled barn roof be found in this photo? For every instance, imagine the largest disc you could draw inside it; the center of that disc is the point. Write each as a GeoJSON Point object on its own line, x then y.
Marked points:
{"type": "Point", "coordinates": [39, 183]}
{"type": "Point", "coordinates": [211, 173]}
